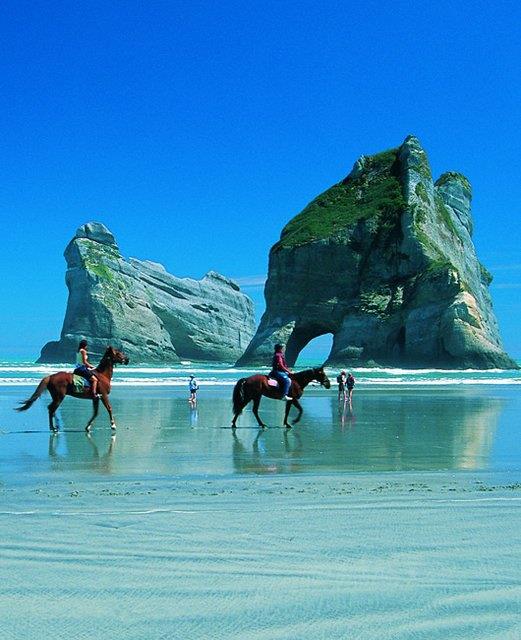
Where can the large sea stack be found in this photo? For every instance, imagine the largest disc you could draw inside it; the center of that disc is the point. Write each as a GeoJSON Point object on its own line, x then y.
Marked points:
{"type": "Point", "coordinates": [138, 307]}
{"type": "Point", "coordinates": [383, 260]}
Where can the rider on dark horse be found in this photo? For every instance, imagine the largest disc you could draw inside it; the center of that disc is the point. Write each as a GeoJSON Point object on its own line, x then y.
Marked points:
{"type": "Point", "coordinates": [281, 372]}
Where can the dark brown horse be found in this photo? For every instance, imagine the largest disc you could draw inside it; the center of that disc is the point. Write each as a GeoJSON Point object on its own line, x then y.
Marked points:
{"type": "Point", "coordinates": [61, 384]}
{"type": "Point", "coordinates": [254, 387]}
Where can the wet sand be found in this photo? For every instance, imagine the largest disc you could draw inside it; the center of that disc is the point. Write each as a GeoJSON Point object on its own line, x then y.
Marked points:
{"type": "Point", "coordinates": [400, 521]}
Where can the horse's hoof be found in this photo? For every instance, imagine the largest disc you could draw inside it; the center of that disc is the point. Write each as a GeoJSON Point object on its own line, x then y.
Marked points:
{"type": "Point", "coordinates": [113, 426]}
{"type": "Point", "coordinates": [88, 428]}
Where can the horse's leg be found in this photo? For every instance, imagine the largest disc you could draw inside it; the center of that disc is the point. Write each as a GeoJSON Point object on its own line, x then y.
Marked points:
{"type": "Point", "coordinates": [52, 407]}
{"type": "Point", "coordinates": [95, 408]}
{"type": "Point", "coordinates": [297, 404]}
{"type": "Point", "coordinates": [286, 414]}
{"type": "Point", "coordinates": [236, 415]}
{"type": "Point", "coordinates": [234, 420]}
{"type": "Point", "coordinates": [108, 407]}
{"type": "Point", "coordinates": [256, 403]}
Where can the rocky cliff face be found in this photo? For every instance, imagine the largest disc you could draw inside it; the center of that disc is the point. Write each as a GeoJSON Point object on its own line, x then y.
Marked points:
{"type": "Point", "coordinates": [139, 307]}
{"type": "Point", "coordinates": [383, 260]}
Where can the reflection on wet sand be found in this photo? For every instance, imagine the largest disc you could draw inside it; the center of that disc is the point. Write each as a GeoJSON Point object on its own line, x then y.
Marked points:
{"type": "Point", "coordinates": [385, 430]}
{"type": "Point", "coordinates": [420, 430]}
{"type": "Point", "coordinates": [264, 458]}
{"type": "Point", "coordinates": [99, 460]}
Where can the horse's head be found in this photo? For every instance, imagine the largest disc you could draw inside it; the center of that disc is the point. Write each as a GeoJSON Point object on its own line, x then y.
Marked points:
{"type": "Point", "coordinates": [116, 356]}
{"type": "Point", "coordinates": [320, 376]}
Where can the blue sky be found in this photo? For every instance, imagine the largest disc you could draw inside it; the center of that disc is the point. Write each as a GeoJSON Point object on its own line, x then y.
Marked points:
{"type": "Point", "coordinates": [196, 130]}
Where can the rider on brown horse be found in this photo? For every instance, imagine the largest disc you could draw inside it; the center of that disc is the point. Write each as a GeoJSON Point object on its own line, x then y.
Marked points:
{"type": "Point", "coordinates": [61, 384]}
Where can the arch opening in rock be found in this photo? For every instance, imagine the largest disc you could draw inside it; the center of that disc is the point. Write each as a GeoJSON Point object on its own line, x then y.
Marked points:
{"type": "Point", "coordinates": [312, 351]}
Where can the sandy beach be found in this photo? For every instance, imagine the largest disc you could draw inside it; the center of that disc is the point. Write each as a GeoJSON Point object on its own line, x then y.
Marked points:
{"type": "Point", "coordinates": [399, 521]}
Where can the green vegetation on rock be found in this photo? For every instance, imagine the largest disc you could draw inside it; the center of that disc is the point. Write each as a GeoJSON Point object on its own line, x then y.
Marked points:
{"type": "Point", "coordinates": [94, 257]}
{"type": "Point", "coordinates": [451, 176]}
{"type": "Point", "coordinates": [375, 193]}
{"type": "Point", "coordinates": [444, 214]}
{"type": "Point", "coordinates": [443, 264]}
{"type": "Point", "coordinates": [486, 276]}
{"type": "Point", "coordinates": [421, 192]}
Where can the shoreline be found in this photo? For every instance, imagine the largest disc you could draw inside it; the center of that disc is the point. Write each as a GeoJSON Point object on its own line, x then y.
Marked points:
{"type": "Point", "coordinates": [262, 558]}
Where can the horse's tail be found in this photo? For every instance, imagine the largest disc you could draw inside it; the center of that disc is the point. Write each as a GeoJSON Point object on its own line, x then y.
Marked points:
{"type": "Point", "coordinates": [39, 390]}
{"type": "Point", "coordinates": [239, 400]}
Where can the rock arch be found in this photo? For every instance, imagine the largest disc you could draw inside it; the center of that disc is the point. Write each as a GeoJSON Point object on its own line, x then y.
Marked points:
{"type": "Point", "coordinates": [383, 260]}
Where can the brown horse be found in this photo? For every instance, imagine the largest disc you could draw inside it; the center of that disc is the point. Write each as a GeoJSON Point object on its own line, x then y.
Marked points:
{"type": "Point", "coordinates": [254, 387]}
{"type": "Point", "coordinates": [61, 384]}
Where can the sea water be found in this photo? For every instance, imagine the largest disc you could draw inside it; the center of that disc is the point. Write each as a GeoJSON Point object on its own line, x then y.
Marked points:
{"type": "Point", "coordinates": [400, 420]}
{"type": "Point", "coordinates": [27, 373]}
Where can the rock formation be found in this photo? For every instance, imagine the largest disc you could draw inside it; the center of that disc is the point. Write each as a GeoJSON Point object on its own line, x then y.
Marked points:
{"type": "Point", "coordinates": [383, 260]}
{"type": "Point", "coordinates": [139, 307]}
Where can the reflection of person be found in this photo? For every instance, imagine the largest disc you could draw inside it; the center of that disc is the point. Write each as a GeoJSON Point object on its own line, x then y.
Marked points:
{"type": "Point", "coordinates": [193, 415]}
{"type": "Point", "coordinates": [84, 368]}
{"type": "Point", "coordinates": [193, 386]}
{"type": "Point", "coordinates": [280, 371]}
{"type": "Point", "coordinates": [341, 379]}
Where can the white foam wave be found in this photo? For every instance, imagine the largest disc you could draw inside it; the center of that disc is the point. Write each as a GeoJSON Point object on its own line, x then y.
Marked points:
{"type": "Point", "coordinates": [215, 382]}
{"type": "Point", "coordinates": [413, 372]}
{"type": "Point", "coordinates": [156, 370]}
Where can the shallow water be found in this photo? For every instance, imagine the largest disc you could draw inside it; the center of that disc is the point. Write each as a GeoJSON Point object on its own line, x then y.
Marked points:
{"type": "Point", "coordinates": [158, 433]}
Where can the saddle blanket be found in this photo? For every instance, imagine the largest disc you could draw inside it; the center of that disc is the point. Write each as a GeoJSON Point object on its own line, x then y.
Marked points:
{"type": "Point", "coordinates": [272, 382]}
{"type": "Point", "coordinates": [79, 383]}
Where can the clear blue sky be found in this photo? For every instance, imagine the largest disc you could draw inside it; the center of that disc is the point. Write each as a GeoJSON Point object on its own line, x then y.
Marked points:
{"type": "Point", "coordinates": [196, 130]}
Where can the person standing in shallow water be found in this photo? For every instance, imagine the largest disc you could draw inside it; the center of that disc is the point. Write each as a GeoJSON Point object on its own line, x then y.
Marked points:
{"type": "Point", "coordinates": [84, 367]}
{"type": "Point", "coordinates": [350, 383]}
{"type": "Point", "coordinates": [342, 391]}
{"type": "Point", "coordinates": [193, 387]}
{"type": "Point", "coordinates": [280, 371]}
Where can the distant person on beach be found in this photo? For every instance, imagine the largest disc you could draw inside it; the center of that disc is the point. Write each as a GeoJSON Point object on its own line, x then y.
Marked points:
{"type": "Point", "coordinates": [84, 368]}
{"type": "Point", "coordinates": [193, 387]}
{"type": "Point", "coordinates": [342, 390]}
{"type": "Point", "coordinates": [350, 383]}
{"type": "Point", "coordinates": [280, 371]}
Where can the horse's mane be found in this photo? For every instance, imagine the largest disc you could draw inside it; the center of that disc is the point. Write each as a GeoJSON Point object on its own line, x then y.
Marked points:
{"type": "Point", "coordinates": [105, 358]}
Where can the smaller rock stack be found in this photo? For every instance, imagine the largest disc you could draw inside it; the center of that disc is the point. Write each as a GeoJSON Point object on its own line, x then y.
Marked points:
{"type": "Point", "coordinates": [140, 308]}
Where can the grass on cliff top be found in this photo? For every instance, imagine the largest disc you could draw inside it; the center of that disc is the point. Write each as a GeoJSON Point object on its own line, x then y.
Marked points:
{"type": "Point", "coordinates": [452, 176]}
{"type": "Point", "coordinates": [375, 193]}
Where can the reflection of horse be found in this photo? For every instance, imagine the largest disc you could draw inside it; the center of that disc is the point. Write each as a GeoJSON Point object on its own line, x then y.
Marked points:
{"type": "Point", "coordinates": [254, 387]}
{"type": "Point", "coordinates": [61, 384]}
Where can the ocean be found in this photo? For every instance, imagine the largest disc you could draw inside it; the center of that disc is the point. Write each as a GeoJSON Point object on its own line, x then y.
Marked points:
{"type": "Point", "coordinates": [19, 373]}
